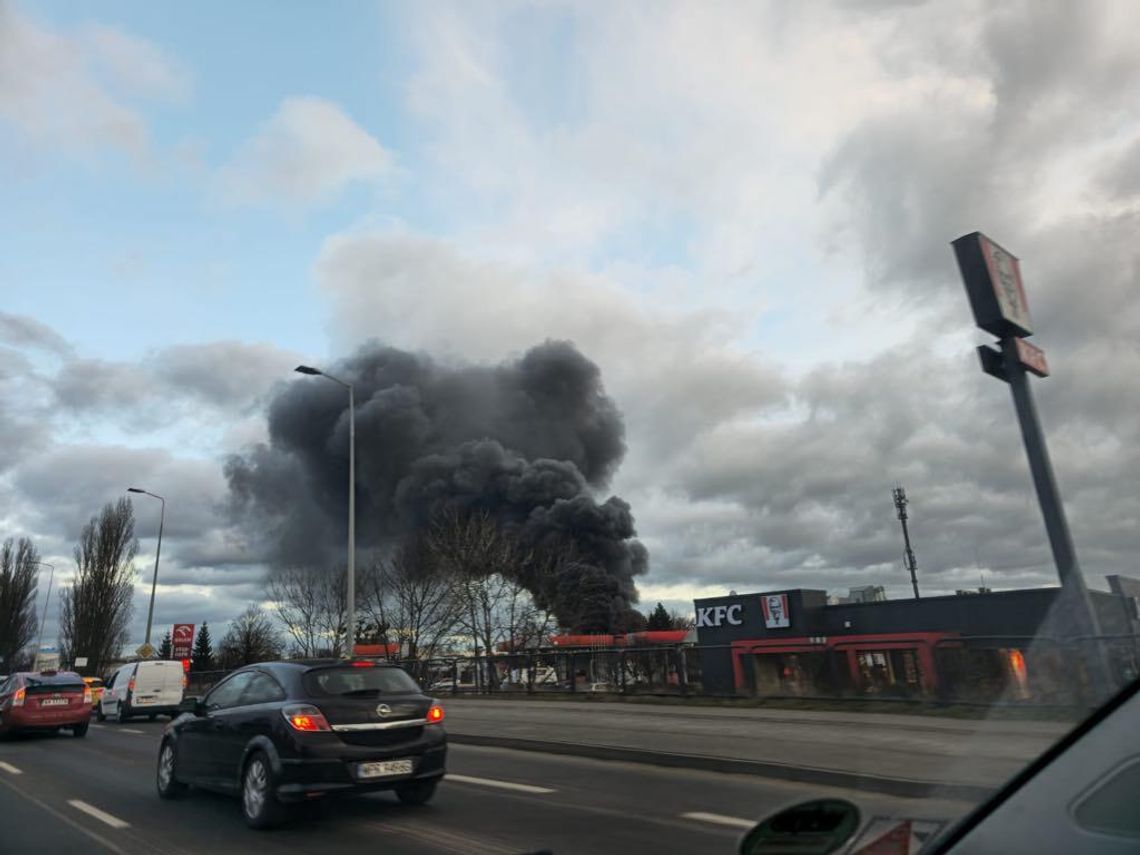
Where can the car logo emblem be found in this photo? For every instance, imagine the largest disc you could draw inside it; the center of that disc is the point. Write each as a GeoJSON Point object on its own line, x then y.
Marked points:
{"type": "Point", "coordinates": [383, 710]}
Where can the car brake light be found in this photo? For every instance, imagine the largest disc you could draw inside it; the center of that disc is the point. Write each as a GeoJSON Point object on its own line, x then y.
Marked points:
{"type": "Point", "coordinates": [86, 694]}
{"type": "Point", "coordinates": [434, 714]}
{"type": "Point", "coordinates": [363, 663]}
{"type": "Point", "coordinates": [18, 698]}
{"type": "Point", "coordinates": [306, 718]}
{"type": "Point", "coordinates": [131, 684]}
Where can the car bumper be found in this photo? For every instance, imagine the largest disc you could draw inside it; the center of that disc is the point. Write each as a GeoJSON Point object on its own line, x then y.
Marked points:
{"type": "Point", "coordinates": [332, 768]}
{"type": "Point", "coordinates": [18, 719]}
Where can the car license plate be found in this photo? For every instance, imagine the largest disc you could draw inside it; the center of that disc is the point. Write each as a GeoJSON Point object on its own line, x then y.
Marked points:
{"type": "Point", "coordinates": [384, 769]}
{"type": "Point", "coordinates": [145, 699]}
{"type": "Point", "coordinates": [54, 702]}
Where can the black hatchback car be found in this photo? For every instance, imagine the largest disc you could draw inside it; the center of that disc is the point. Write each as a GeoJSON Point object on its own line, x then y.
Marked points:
{"type": "Point", "coordinates": [282, 732]}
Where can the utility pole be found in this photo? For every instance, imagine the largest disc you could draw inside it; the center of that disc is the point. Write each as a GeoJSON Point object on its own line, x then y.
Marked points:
{"type": "Point", "coordinates": [908, 554]}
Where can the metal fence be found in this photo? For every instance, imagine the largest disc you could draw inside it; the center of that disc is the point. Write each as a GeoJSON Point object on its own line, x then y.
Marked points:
{"type": "Point", "coordinates": [973, 670]}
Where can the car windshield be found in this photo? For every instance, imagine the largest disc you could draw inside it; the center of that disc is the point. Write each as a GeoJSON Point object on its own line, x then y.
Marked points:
{"type": "Point", "coordinates": [359, 682]}
{"type": "Point", "coordinates": [674, 409]}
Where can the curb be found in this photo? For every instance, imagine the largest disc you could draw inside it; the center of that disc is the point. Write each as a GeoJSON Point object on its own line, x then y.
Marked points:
{"type": "Point", "coordinates": [905, 787]}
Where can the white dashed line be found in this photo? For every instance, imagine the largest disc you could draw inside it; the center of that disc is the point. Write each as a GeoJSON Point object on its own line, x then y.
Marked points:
{"type": "Point", "coordinates": [130, 730]}
{"type": "Point", "coordinates": [719, 819]}
{"type": "Point", "coordinates": [9, 768]}
{"type": "Point", "coordinates": [100, 815]}
{"type": "Point", "coordinates": [501, 785]}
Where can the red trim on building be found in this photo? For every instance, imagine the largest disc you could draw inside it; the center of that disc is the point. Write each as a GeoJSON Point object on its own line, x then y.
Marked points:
{"type": "Point", "coordinates": [921, 642]}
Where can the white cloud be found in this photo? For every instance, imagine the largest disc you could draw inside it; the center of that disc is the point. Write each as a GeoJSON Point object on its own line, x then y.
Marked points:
{"type": "Point", "coordinates": [306, 154]}
{"type": "Point", "coordinates": [75, 91]}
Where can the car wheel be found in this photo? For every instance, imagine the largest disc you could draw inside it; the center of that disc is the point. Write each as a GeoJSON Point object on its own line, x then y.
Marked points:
{"type": "Point", "coordinates": [124, 712]}
{"type": "Point", "coordinates": [416, 792]}
{"type": "Point", "coordinates": [80, 730]}
{"type": "Point", "coordinates": [169, 787]}
{"type": "Point", "coordinates": [99, 714]}
{"type": "Point", "coordinates": [258, 801]}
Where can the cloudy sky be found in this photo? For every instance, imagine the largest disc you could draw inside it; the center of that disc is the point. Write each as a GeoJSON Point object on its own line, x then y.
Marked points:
{"type": "Point", "coordinates": [740, 211]}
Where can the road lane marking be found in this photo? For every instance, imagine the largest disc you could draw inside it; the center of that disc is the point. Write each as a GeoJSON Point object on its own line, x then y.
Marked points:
{"type": "Point", "coordinates": [9, 768]}
{"type": "Point", "coordinates": [501, 785]}
{"type": "Point", "coordinates": [66, 820]}
{"type": "Point", "coordinates": [719, 819]}
{"type": "Point", "coordinates": [102, 816]}
{"type": "Point", "coordinates": [130, 730]}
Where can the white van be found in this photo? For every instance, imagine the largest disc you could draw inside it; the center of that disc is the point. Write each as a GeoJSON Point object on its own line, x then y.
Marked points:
{"type": "Point", "coordinates": [143, 688]}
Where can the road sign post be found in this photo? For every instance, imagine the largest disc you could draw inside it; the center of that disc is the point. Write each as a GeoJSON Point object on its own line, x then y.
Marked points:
{"type": "Point", "coordinates": [997, 297]}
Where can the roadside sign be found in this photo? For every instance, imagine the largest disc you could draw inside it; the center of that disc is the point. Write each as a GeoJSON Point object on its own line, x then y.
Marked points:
{"type": "Point", "coordinates": [182, 640]}
{"type": "Point", "coordinates": [80, 661]}
{"type": "Point", "coordinates": [993, 282]}
{"type": "Point", "coordinates": [1032, 357]}
{"type": "Point", "coordinates": [144, 651]}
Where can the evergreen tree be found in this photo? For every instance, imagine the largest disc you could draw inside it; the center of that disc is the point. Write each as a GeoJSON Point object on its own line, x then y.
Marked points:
{"type": "Point", "coordinates": [166, 648]}
{"type": "Point", "coordinates": [203, 653]}
{"type": "Point", "coordinates": [659, 619]}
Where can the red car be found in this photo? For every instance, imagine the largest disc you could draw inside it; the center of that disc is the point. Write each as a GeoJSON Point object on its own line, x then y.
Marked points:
{"type": "Point", "coordinates": [48, 700]}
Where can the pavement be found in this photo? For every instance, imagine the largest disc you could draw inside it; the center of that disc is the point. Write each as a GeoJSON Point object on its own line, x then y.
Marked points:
{"type": "Point", "coordinates": [903, 755]}
{"type": "Point", "coordinates": [62, 794]}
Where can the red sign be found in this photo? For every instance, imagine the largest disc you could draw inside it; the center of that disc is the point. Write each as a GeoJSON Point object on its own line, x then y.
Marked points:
{"type": "Point", "coordinates": [183, 640]}
{"type": "Point", "coordinates": [993, 283]}
{"type": "Point", "coordinates": [1032, 357]}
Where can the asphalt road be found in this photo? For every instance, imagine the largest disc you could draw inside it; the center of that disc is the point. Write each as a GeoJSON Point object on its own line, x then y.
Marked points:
{"type": "Point", "coordinates": [61, 794]}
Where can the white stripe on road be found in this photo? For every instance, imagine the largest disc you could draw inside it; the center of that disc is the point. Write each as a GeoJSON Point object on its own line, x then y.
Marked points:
{"type": "Point", "coordinates": [501, 785]}
{"type": "Point", "coordinates": [719, 819]}
{"type": "Point", "coordinates": [9, 768]}
{"type": "Point", "coordinates": [130, 730]}
{"type": "Point", "coordinates": [102, 816]}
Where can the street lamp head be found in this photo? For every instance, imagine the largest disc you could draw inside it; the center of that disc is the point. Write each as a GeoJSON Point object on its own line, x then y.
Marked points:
{"type": "Point", "coordinates": [135, 490]}
{"type": "Point", "coordinates": [306, 369]}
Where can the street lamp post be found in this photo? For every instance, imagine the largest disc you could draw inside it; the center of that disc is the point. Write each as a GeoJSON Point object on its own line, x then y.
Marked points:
{"type": "Point", "coordinates": [47, 599]}
{"type": "Point", "coordinates": [157, 553]}
{"type": "Point", "coordinates": [350, 634]}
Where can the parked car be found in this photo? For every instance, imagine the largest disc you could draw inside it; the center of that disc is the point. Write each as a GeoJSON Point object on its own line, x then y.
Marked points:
{"type": "Point", "coordinates": [45, 700]}
{"type": "Point", "coordinates": [96, 689]}
{"type": "Point", "coordinates": [284, 732]}
{"type": "Point", "coordinates": [150, 688]}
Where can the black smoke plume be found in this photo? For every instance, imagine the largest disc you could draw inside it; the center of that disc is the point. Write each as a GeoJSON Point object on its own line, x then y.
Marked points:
{"type": "Point", "coordinates": [528, 441]}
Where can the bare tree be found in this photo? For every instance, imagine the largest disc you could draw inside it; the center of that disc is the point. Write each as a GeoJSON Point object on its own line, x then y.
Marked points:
{"type": "Point", "coordinates": [250, 638]}
{"type": "Point", "coordinates": [18, 622]}
{"type": "Point", "coordinates": [96, 610]}
{"type": "Point", "coordinates": [411, 600]}
{"type": "Point", "coordinates": [311, 604]}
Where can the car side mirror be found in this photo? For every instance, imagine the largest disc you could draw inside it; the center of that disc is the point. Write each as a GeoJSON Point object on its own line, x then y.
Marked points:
{"type": "Point", "coordinates": [192, 705]}
{"type": "Point", "coordinates": [819, 826]}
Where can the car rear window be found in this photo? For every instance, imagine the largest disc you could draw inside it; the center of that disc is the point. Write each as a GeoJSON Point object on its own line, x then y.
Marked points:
{"type": "Point", "coordinates": [360, 682]}
{"type": "Point", "coordinates": [63, 681]}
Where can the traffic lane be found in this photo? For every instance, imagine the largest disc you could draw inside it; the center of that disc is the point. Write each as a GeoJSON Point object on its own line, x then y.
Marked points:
{"type": "Point", "coordinates": [650, 790]}
{"type": "Point", "coordinates": [28, 824]}
{"type": "Point", "coordinates": [663, 801]}
{"type": "Point", "coordinates": [114, 772]}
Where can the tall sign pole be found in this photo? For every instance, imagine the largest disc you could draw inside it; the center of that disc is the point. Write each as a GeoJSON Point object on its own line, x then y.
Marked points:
{"type": "Point", "coordinates": [997, 296]}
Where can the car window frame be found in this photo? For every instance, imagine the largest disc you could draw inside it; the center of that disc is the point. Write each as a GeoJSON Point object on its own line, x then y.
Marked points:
{"type": "Point", "coordinates": [281, 695]}
{"type": "Point", "coordinates": [229, 680]}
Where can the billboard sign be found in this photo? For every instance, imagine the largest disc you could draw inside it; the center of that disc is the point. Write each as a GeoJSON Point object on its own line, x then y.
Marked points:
{"type": "Point", "coordinates": [1032, 358]}
{"type": "Point", "coordinates": [182, 640]}
{"type": "Point", "coordinates": [993, 282]}
{"type": "Point", "coordinates": [775, 608]}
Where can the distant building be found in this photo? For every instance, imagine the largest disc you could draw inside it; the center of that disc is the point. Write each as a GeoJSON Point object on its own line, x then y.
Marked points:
{"type": "Point", "coordinates": [862, 594]}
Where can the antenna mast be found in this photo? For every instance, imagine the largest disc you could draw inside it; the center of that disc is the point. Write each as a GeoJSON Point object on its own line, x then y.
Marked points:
{"type": "Point", "coordinates": [908, 555]}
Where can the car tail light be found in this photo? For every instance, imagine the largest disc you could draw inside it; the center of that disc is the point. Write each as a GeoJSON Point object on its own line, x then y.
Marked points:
{"type": "Point", "coordinates": [131, 684]}
{"type": "Point", "coordinates": [434, 714]}
{"type": "Point", "coordinates": [18, 698]}
{"type": "Point", "coordinates": [185, 682]}
{"type": "Point", "coordinates": [86, 694]}
{"type": "Point", "coordinates": [363, 663]}
{"type": "Point", "coordinates": [306, 718]}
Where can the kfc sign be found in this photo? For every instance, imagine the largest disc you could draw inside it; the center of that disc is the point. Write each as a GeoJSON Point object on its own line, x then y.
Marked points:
{"type": "Point", "coordinates": [719, 615]}
{"type": "Point", "coordinates": [182, 638]}
{"type": "Point", "coordinates": [776, 611]}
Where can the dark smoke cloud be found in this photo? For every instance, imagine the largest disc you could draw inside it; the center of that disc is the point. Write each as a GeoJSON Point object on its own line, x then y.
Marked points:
{"type": "Point", "coordinates": [528, 441]}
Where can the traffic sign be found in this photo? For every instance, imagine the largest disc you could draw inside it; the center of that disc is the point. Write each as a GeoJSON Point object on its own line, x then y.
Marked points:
{"type": "Point", "coordinates": [144, 650]}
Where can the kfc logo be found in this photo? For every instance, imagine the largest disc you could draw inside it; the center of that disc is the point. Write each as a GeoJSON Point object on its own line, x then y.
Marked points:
{"type": "Point", "coordinates": [776, 611]}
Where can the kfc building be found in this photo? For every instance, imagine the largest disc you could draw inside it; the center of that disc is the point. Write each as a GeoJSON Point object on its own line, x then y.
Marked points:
{"type": "Point", "coordinates": [794, 643]}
